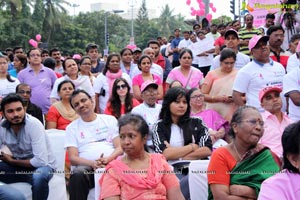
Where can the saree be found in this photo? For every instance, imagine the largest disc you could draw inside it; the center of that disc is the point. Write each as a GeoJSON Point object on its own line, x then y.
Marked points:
{"type": "Point", "coordinates": [253, 170]}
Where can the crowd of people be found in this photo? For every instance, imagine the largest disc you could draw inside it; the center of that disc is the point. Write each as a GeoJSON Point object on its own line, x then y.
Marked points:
{"type": "Point", "coordinates": [140, 112]}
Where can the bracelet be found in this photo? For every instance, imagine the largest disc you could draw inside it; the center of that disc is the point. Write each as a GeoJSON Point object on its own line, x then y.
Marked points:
{"type": "Point", "coordinates": [192, 147]}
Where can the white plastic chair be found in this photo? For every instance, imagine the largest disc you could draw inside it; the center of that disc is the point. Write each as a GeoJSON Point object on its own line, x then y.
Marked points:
{"type": "Point", "coordinates": [198, 179]}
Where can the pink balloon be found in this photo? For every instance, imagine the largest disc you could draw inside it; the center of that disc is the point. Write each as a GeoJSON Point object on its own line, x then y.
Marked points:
{"type": "Point", "coordinates": [130, 46]}
{"type": "Point", "coordinates": [38, 37]}
{"type": "Point", "coordinates": [192, 8]}
{"type": "Point", "coordinates": [202, 5]}
{"type": "Point", "coordinates": [188, 2]}
{"type": "Point", "coordinates": [209, 17]}
{"type": "Point", "coordinates": [194, 12]}
{"type": "Point", "coordinates": [33, 43]}
{"type": "Point", "coordinates": [200, 12]}
{"type": "Point", "coordinates": [211, 5]}
{"type": "Point", "coordinates": [214, 9]}
{"type": "Point", "coordinates": [199, 1]}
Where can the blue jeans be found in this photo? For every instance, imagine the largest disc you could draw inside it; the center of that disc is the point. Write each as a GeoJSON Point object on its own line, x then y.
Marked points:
{"type": "Point", "coordinates": [10, 193]}
{"type": "Point", "coordinates": [37, 177]}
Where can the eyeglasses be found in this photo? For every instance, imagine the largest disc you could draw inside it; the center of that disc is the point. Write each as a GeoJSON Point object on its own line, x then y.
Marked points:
{"type": "Point", "coordinates": [123, 86]}
{"type": "Point", "coordinates": [253, 122]}
{"type": "Point", "coordinates": [35, 55]}
{"type": "Point", "coordinates": [24, 92]}
{"type": "Point", "coordinates": [197, 96]}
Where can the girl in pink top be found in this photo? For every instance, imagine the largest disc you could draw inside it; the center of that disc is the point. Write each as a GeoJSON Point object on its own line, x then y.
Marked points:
{"type": "Point", "coordinates": [144, 65]}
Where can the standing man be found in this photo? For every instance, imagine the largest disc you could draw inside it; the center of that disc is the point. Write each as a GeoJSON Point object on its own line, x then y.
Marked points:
{"type": "Point", "coordinates": [31, 158]}
{"type": "Point", "coordinates": [246, 33]}
{"type": "Point", "coordinates": [232, 42]}
{"type": "Point", "coordinates": [219, 42]}
{"type": "Point", "coordinates": [24, 91]}
{"type": "Point", "coordinates": [270, 18]}
{"type": "Point", "coordinates": [97, 66]}
{"type": "Point", "coordinates": [276, 36]}
{"type": "Point", "coordinates": [92, 141]}
{"type": "Point", "coordinates": [40, 79]}
{"type": "Point", "coordinates": [136, 54]}
{"type": "Point", "coordinates": [16, 50]}
{"type": "Point", "coordinates": [56, 55]}
{"type": "Point", "coordinates": [159, 59]}
{"type": "Point", "coordinates": [174, 48]}
{"type": "Point", "coordinates": [213, 32]}
{"type": "Point", "coordinates": [185, 42]}
{"type": "Point", "coordinates": [275, 120]}
{"type": "Point", "coordinates": [262, 71]}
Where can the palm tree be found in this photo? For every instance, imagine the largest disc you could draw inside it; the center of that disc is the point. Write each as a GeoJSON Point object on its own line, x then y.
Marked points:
{"type": "Point", "coordinates": [166, 21]}
{"type": "Point", "coordinates": [54, 12]}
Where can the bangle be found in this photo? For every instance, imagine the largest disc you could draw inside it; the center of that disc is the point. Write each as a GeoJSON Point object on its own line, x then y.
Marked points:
{"type": "Point", "coordinates": [192, 147]}
{"type": "Point", "coordinates": [212, 98]}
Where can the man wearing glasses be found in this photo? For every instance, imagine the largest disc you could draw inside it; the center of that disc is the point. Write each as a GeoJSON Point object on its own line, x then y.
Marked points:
{"type": "Point", "coordinates": [40, 78]}
{"type": "Point", "coordinates": [262, 71]}
{"type": "Point", "coordinates": [24, 91]}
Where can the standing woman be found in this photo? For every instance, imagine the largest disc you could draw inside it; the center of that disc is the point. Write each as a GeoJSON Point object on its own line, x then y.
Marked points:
{"type": "Point", "coordinates": [143, 180]}
{"type": "Point", "coordinates": [189, 76]}
{"type": "Point", "coordinates": [144, 64]}
{"type": "Point", "coordinates": [178, 136]}
{"type": "Point", "coordinates": [71, 73]}
{"type": "Point", "coordinates": [20, 62]}
{"type": "Point", "coordinates": [104, 82]}
{"type": "Point", "coordinates": [121, 101]}
{"type": "Point", "coordinates": [85, 67]}
{"type": "Point", "coordinates": [126, 63]}
{"type": "Point", "coordinates": [218, 83]}
{"type": "Point", "coordinates": [61, 113]}
{"type": "Point", "coordinates": [8, 84]}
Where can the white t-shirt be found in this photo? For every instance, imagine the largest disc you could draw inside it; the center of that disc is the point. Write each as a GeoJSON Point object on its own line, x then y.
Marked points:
{"type": "Point", "coordinates": [204, 45]}
{"type": "Point", "coordinates": [92, 138]}
{"type": "Point", "coordinates": [82, 82]}
{"type": "Point", "coordinates": [176, 139]}
{"type": "Point", "coordinates": [194, 48]}
{"type": "Point", "coordinates": [184, 43]}
{"type": "Point", "coordinates": [241, 61]}
{"type": "Point", "coordinates": [101, 84]}
{"type": "Point", "coordinates": [255, 76]}
{"type": "Point", "coordinates": [7, 87]}
{"type": "Point", "coordinates": [150, 115]}
{"type": "Point", "coordinates": [291, 82]}
{"type": "Point", "coordinates": [292, 63]}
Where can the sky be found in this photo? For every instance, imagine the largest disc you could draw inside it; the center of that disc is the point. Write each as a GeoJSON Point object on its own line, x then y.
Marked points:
{"type": "Point", "coordinates": [179, 6]}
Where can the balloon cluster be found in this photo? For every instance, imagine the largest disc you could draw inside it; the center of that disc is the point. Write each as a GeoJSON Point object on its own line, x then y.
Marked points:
{"type": "Point", "coordinates": [35, 43]}
{"type": "Point", "coordinates": [246, 8]}
{"type": "Point", "coordinates": [201, 11]}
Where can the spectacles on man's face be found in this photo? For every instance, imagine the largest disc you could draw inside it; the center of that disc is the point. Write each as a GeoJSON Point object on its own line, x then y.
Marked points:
{"type": "Point", "coordinates": [253, 122]}
{"type": "Point", "coordinates": [24, 92]}
{"type": "Point", "coordinates": [147, 92]}
{"type": "Point", "coordinates": [197, 96]}
{"type": "Point", "coordinates": [123, 86]}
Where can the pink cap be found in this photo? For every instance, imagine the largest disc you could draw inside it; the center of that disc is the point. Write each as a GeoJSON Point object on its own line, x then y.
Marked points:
{"type": "Point", "coordinates": [148, 83]}
{"type": "Point", "coordinates": [267, 89]}
{"type": "Point", "coordinates": [298, 47]}
{"type": "Point", "coordinates": [255, 39]}
{"type": "Point", "coordinates": [76, 56]}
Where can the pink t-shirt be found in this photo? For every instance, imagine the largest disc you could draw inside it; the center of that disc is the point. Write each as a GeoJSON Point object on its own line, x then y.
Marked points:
{"type": "Point", "coordinates": [273, 132]}
{"type": "Point", "coordinates": [283, 186]}
{"type": "Point", "coordinates": [194, 81]}
{"type": "Point", "coordinates": [138, 80]}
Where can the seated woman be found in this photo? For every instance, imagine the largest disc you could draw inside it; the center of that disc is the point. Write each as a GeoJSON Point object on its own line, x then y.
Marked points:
{"type": "Point", "coordinates": [85, 67]}
{"type": "Point", "coordinates": [61, 113]}
{"type": "Point", "coordinates": [120, 101]}
{"type": "Point", "coordinates": [214, 121]}
{"type": "Point", "coordinates": [136, 175]}
{"type": "Point", "coordinates": [285, 185]}
{"type": "Point", "coordinates": [237, 170]}
{"type": "Point", "coordinates": [178, 136]}
{"type": "Point", "coordinates": [144, 64]}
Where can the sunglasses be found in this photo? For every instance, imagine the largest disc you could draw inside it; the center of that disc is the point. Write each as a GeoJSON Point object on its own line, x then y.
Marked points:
{"type": "Point", "coordinates": [123, 86]}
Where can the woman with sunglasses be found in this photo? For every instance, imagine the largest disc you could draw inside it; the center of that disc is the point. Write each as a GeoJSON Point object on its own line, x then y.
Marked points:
{"type": "Point", "coordinates": [104, 82]}
{"type": "Point", "coordinates": [120, 101]}
{"type": "Point", "coordinates": [238, 169]}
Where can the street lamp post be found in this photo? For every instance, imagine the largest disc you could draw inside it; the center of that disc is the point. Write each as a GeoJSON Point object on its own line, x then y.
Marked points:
{"type": "Point", "coordinates": [74, 6]}
{"type": "Point", "coordinates": [105, 27]}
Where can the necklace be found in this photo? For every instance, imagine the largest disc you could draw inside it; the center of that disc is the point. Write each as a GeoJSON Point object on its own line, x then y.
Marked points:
{"type": "Point", "coordinates": [239, 155]}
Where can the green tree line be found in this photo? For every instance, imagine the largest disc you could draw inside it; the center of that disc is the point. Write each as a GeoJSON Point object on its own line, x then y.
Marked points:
{"type": "Point", "coordinates": [21, 20]}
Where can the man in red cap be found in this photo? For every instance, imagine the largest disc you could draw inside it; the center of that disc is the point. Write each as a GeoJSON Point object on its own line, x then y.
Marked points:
{"type": "Point", "coordinates": [275, 120]}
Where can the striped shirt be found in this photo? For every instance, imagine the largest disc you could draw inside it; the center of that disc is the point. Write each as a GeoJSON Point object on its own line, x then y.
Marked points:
{"type": "Point", "coordinates": [245, 34]}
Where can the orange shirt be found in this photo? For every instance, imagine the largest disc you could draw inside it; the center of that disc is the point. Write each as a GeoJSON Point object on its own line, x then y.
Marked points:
{"type": "Point", "coordinates": [108, 110]}
{"type": "Point", "coordinates": [221, 163]}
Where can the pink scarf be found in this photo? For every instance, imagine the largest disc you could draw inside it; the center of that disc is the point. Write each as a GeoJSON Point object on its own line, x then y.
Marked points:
{"type": "Point", "coordinates": [153, 178]}
{"type": "Point", "coordinates": [111, 77]}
